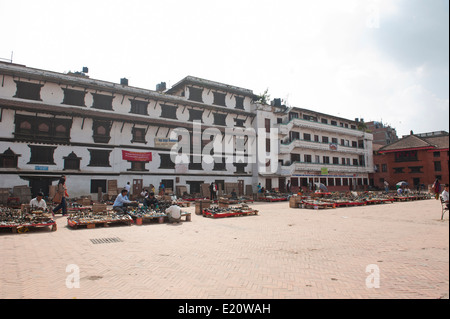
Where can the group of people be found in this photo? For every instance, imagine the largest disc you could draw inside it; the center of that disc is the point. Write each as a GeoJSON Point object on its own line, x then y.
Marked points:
{"type": "Point", "coordinates": [149, 200]}
{"type": "Point", "coordinates": [262, 189]}
{"type": "Point", "coordinates": [120, 205]}
{"type": "Point", "coordinates": [122, 202]}
{"type": "Point", "coordinates": [213, 190]}
{"type": "Point", "coordinates": [161, 189]}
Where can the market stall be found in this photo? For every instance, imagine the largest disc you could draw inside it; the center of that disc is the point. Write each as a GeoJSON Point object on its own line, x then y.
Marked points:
{"type": "Point", "coordinates": [92, 219]}
{"type": "Point", "coordinates": [24, 219]}
{"type": "Point", "coordinates": [349, 199]}
{"type": "Point", "coordinates": [221, 212]}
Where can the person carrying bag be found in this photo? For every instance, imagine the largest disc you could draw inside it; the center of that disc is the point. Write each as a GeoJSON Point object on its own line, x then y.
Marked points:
{"type": "Point", "coordinates": [60, 196]}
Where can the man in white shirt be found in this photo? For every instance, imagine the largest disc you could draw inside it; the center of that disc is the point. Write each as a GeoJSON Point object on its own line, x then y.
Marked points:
{"type": "Point", "coordinates": [174, 214]}
{"type": "Point", "coordinates": [445, 195]}
{"type": "Point", "coordinates": [128, 188]}
{"type": "Point", "coordinates": [38, 202]}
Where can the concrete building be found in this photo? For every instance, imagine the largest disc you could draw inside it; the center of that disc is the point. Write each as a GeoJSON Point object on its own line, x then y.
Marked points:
{"type": "Point", "coordinates": [94, 132]}
{"type": "Point", "coordinates": [382, 134]}
{"type": "Point", "coordinates": [317, 148]}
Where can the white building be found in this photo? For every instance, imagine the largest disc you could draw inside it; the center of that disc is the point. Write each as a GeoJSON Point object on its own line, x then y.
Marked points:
{"type": "Point", "coordinates": [316, 148]}
{"type": "Point", "coordinates": [92, 131]}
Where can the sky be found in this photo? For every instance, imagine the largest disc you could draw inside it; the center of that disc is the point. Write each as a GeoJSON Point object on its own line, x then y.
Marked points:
{"type": "Point", "coordinates": [379, 60]}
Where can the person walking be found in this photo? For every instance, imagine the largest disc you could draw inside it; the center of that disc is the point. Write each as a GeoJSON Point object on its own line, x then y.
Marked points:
{"type": "Point", "coordinates": [445, 195]}
{"type": "Point", "coordinates": [162, 189]}
{"type": "Point", "coordinates": [437, 188]}
{"type": "Point", "coordinates": [386, 187]}
{"type": "Point", "coordinates": [288, 187]}
{"type": "Point", "coordinates": [213, 190]}
{"type": "Point", "coordinates": [60, 196]}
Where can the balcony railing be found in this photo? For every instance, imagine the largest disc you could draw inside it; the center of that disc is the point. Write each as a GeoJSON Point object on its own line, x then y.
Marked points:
{"type": "Point", "coordinates": [284, 128]}
{"type": "Point", "coordinates": [298, 166]}
{"type": "Point", "coordinates": [289, 146]}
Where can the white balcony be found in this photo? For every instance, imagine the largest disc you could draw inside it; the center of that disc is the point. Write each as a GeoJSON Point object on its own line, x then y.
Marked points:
{"type": "Point", "coordinates": [301, 167]}
{"type": "Point", "coordinates": [317, 146]}
{"type": "Point", "coordinates": [285, 128]}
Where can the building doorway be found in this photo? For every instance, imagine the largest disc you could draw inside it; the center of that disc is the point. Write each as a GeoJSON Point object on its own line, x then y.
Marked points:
{"type": "Point", "coordinates": [40, 184]}
{"type": "Point", "coordinates": [137, 187]}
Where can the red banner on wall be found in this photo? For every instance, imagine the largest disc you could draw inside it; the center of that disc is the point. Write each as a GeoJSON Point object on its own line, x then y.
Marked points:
{"type": "Point", "coordinates": [137, 157]}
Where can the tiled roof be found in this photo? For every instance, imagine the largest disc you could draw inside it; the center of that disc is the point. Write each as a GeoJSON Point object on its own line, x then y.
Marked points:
{"type": "Point", "coordinates": [440, 142]}
{"type": "Point", "coordinates": [415, 142]}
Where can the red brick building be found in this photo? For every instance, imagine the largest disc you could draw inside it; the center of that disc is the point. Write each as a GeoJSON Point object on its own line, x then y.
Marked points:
{"type": "Point", "coordinates": [417, 159]}
{"type": "Point", "coordinates": [382, 134]}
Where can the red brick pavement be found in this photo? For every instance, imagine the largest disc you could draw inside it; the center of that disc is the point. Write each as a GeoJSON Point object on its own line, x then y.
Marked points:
{"type": "Point", "coordinates": [281, 253]}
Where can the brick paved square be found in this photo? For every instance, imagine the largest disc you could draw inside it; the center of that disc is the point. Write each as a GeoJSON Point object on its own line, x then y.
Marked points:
{"type": "Point", "coordinates": [393, 251]}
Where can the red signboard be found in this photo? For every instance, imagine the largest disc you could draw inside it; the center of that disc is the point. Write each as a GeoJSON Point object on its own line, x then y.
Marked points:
{"type": "Point", "coordinates": [137, 157]}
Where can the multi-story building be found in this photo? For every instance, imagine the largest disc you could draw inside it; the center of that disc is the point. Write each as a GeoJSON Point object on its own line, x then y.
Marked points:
{"type": "Point", "coordinates": [418, 159]}
{"type": "Point", "coordinates": [93, 131]}
{"type": "Point", "coordinates": [382, 134]}
{"type": "Point", "coordinates": [317, 148]}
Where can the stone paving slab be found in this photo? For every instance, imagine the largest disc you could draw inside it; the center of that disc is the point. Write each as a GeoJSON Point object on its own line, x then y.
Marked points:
{"type": "Point", "coordinates": [389, 251]}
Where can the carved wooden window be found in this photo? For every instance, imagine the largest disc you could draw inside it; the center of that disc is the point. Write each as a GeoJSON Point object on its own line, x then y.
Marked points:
{"type": "Point", "coordinates": [139, 107]}
{"type": "Point", "coordinates": [219, 99]}
{"type": "Point", "coordinates": [195, 94]}
{"type": "Point", "coordinates": [72, 161]}
{"type": "Point", "coordinates": [29, 91]}
{"type": "Point", "coordinates": [166, 162]}
{"type": "Point", "coordinates": [239, 102]}
{"type": "Point", "coordinates": [99, 158]}
{"type": "Point", "coordinates": [101, 131]}
{"type": "Point", "coordinates": [74, 97]}
{"type": "Point", "coordinates": [103, 102]}
{"type": "Point", "coordinates": [138, 135]}
{"type": "Point", "coordinates": [219, 119]}
{"type": "Point", "coordinates": [43, 129]}
{"type": "Point", "coordinates": [42, 155]}
{"type": "Point", "coordinates": [169, 112]}
{"type": "Point", "coordinates": [8, 159]}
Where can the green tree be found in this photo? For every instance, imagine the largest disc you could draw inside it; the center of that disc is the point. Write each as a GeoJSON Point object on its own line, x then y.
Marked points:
{"type": "Point", "coordinates": [264, 98]}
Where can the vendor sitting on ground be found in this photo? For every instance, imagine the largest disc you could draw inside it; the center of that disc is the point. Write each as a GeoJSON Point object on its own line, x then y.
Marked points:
{"type": "Point", "coordinates": [38, 202]}
{"type": "Point", "coordinates": [174, 214]}
{"type": "Point", "coordinates": [122, 202]}
{"type": "Point", "coordinates": [151, 201]}
{"type": "Point", "coordinates": [233, 194]}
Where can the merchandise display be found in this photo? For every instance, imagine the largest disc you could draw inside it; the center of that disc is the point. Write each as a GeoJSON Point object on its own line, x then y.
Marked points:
{"type": "Point", "coordinates": [142, 213]}
{"type": "Point", "coordinates": [334, 200]}
{"type": "Point", "coordinates": [91, 219]}
{"type": "Point", "coordinates": [220, 212]}
{"type": "Point", "coordinates": [24, 218]}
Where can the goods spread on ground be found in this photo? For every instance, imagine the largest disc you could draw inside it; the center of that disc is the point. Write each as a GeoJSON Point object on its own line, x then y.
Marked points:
{"type": "Point", "coordinates": [272, 197]}
{"type": "Point", "coordinates": [102, 215]}
{"type": "Point", "coordinates": [221, 212]}
{"type": "Point", "coordinates": [145, 214]}
{"type": "Point", "coordinates": [91, 219]}
{"type": "Point", "coordinates": [21, 220]}
{"type": "Point", "coordinates": [335, 200]}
